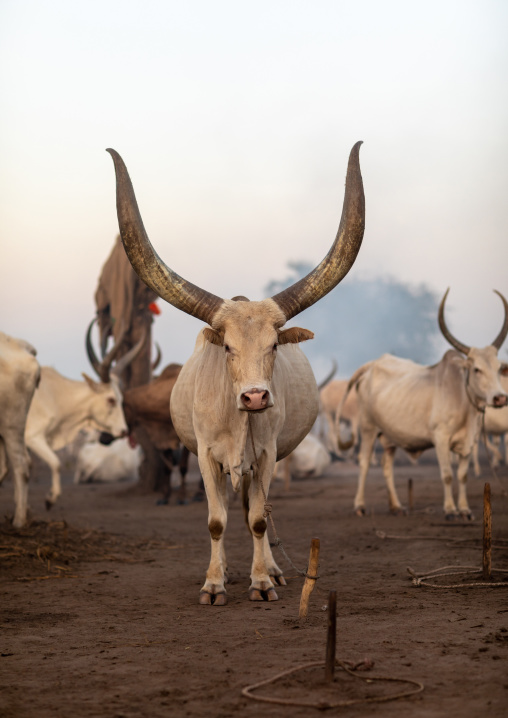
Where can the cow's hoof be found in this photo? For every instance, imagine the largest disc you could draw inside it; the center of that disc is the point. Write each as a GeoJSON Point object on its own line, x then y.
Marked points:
{"type": "Point", "coordinates": [466, 516]}
{"type": "Point", "coordinates": [451, 516]}
{"type": "Point", "coordinates": [199, 496]}
{"type": "Point", "coordinates": [48, 504]}
{"type": "Point", "coordinates": [182, 502]}
{"type": "Point", "coordinates": [279, 580]}
{"type": "Point", "coordinates": [398, 511]}
{"type": "Point", "coordinates": [162, 502]}
{"type": "Point", "coordinates": [255, 594]}
{"type": "Point", "coordinates": [212, 599]}
{"type": "Point", "coordinates": [360, 511]}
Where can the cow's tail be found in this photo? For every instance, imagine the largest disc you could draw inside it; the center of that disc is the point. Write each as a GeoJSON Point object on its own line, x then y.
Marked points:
{"type": "Point", "coordinates": [353, 382]}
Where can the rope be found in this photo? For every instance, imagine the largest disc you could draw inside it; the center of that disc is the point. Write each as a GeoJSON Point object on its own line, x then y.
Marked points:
{"type": "Point", "coordinates": [268, 512]}
{"type": "Point", "coordinates": [321, 705]}
{"type": "Point", "coordinates": [420, 580]}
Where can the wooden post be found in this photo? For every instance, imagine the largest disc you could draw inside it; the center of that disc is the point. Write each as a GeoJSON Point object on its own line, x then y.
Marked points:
{"type": "Point", "coordinates": [331, 636]}
{"type": "Point", "coordinates": [310, 579]}
{"type": "Point", "coordinates": [487, 533]}
{"type": "Point", "coordinates": [410, 495]}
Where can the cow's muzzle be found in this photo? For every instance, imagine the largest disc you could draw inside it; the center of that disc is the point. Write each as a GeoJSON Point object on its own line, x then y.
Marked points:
{"type": "Point", "coordinates": [256, 399]}
{"type": "Point", "coordinates": [499, 401]}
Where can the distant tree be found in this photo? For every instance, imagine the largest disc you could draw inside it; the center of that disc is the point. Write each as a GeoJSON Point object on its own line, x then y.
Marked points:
{"type": "Point", "coordinates": [364, 318]}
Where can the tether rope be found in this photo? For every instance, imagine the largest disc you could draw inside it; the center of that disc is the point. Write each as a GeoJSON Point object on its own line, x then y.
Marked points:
{"type": "Point", "coordinates": [321, 705]}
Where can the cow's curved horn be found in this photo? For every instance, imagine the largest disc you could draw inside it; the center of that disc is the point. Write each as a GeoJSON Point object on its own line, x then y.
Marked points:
{"type": "Point", "coordinates": [330, 376]}
{"type": "Point", "coordinates": [124, 361]}
{"type": "Point", "coordinates": [504, 331]}
{"type": "Point", "coordinates": [146, 262]}
{"type": "Point", "coordinates": [446, 332]}
{"type": "Point", "coordinates": [101, 368]}
{"type": "Point", "coordinates": [92, 357]}
{"type": "Point", "coordinates": [158, 357]}
{"type": "Point", "coordinates": [341, 257]}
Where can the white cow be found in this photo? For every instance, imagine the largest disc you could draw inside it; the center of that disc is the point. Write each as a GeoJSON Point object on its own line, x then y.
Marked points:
{"type": "Point", "coordinates": [247, 396]}
{"type": "Point", "coordinates": [417, 407]}
{"type": "Point", "coordinates": [97, 462]}
{"type": "Point", "coordinates": [495, 425]}
{"type": "Point", "coordinates": [19, 375]}
{"type": "Point", "coordinates": [61, 408]}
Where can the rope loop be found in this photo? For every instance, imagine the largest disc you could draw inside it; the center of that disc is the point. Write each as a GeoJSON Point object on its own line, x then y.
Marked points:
{"type": "Point", "coordinates": [268, 510]}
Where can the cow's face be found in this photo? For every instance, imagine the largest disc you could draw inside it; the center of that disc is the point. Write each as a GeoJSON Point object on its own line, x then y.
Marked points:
{"type": "Point", "coordinates": [250, 334]}
{"type": "Point", "coordinates": [485, 370]}
{"type": "Point", "coordinates": [105, 406]}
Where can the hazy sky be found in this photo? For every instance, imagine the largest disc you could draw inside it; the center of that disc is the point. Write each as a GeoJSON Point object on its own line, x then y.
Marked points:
{"type": "Point", "coordinates": [235, 121]}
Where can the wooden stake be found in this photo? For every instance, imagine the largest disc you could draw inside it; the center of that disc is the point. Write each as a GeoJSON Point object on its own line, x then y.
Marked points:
{"type": "Point", "coordinates": [331, 636]}
{"type": "Point", "coordinates": [310, 579]}
{"type": "Point", "coordinates": [487, 533]}
{"type": "Point", "coordinates": [410, 495]}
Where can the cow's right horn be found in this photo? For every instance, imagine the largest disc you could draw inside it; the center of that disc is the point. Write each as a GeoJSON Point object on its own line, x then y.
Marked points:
{"type": "Point", "coordinates": [341, 257]}
{"type": "Point", "coordinates": [446, 332]}
{"type": "Point", "coordinates": [498, 341]}
{"type": "Point", "coordinates": [146, 262]}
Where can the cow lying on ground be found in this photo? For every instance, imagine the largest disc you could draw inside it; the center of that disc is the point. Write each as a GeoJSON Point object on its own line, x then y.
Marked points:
{"type": "Point", "coordinates": [417, 407]}
{"type": "Point", "coordinates": [19, 376]}
{"type": "Point", "coordinates": [247, 396]}
{"type": "Point", "coordinates": [107, 463]}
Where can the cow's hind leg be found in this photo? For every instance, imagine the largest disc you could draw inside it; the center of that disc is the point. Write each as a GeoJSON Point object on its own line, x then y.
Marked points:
{"type": "Point", "coordinates": [369, 435]}
{"type": "Point", "coordinates": [213, 591]}
{"type": "Point", "coordinates": [387, 461]}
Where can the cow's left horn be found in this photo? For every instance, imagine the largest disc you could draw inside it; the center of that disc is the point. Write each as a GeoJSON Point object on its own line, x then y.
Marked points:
{"type": "Point", "coordinates": [343, 252]}
{"type": "Point", "coordinates": [446, 332]}
{"type": "Point", "coordinates": [146, 262]}
{"type": "Point", "coordinates": [504, 331]}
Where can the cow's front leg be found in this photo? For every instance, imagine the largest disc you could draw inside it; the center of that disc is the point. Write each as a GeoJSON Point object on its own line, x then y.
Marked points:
{"type": "Point", "coordinates": [263, 563]}
{"type": "Point", "coordinates": [462, 479]}
{"type": "Point", "coordinates": [40, 447]}
{"type": "Point", "coordinates": [213, 590]}
{"type": "Point", "coordinates": [442, 446]}
{"type": "Point", "coordinates": [387, 462]}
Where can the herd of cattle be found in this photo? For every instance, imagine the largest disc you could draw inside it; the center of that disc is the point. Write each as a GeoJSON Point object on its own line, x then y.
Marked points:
{"type": "Point", "coordinates": [247, 398]}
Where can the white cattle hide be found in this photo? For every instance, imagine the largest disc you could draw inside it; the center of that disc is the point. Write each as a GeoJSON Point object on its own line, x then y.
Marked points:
{"type": "Point", "coordinates": [19, 374]}
{"type": "Point", "coordinates": [117, 461]}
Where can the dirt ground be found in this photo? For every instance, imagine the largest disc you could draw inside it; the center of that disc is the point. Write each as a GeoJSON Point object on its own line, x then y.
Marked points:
{"type": "Point", "coordinates": [100, 613]}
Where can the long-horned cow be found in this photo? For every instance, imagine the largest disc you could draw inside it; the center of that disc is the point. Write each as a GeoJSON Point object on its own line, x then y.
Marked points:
{"type": "Point", "coordinates": [61, 407]}
{"type": "Point", "coordinates": [417, 407]}
{"type": "Point", "coordinates": [247, 396]}
{"type": "Point", "coordinates": [19, 376]}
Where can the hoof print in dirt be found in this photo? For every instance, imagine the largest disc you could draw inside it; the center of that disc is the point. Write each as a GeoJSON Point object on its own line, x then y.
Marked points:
{"type": "Point", "coordinates": [255, 594]}
{"type": "Point", "coordinates": [212, 599]}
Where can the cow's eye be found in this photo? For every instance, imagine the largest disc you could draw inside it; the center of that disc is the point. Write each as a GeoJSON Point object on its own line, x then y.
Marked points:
{"type": "Point", "coordinates": [228, 350]}
{"type": "Point", "coordinates": [477, 371]}
{"type": "Point", "coordinates": [275, 347]}
{"type": "Point", "coordinates": [111, 401]}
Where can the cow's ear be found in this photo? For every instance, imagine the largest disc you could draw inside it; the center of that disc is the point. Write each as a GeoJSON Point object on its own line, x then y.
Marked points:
{"type": "Point", "coordinates": [294, 335]}
{"type": "Point", "coordinates": [94, 386]}
{"type": "Point", "coordinates": [504, 369]}
{"type": "Point", "coordinates": [212, 336]}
